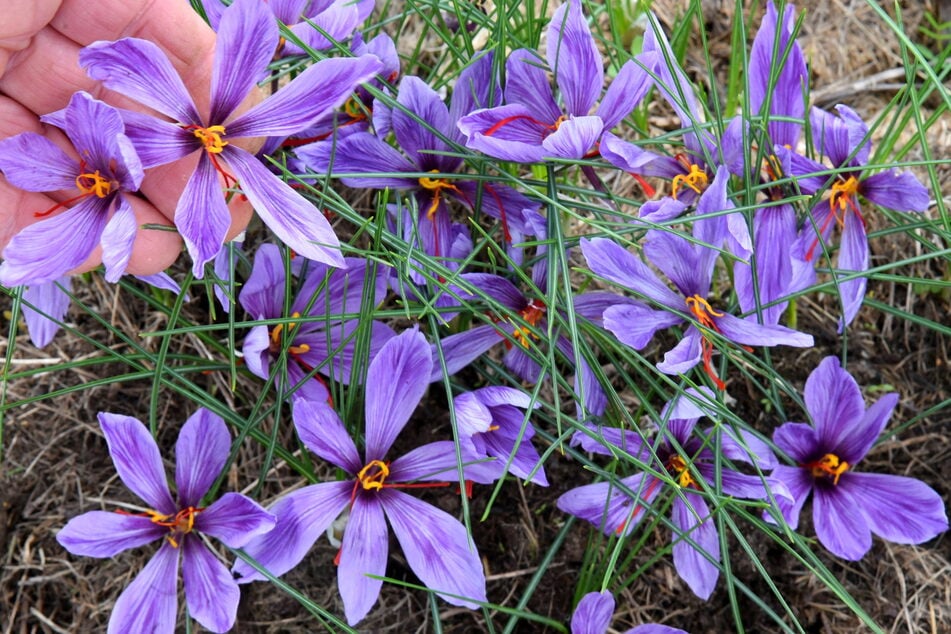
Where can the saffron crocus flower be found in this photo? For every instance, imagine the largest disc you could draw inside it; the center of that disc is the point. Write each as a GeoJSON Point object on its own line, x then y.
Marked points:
{"type": "Point", "coordinates": [777, 83]}
{"type": "Point", "coordinates": [849, 506]}
{"type": "Point", "coordinates": [436, 545]}
{"type": "Point", "coordinates": [107, 170]}
{"type": "Point", "coordinates": [532, 126]}
{"type": "Point", "coordinates": [327, 301]}
{"type": "Point", "coordinates": [150, 603]}
{"type": "Point", "coordinates": [593, 616]}
{"type": "Point", "coordinates": [689, 459]}
{"type": "Point", "coordinates": [247, 38]}
{"type": "Point", "coordinates": [690, 267]}
{"type": "Point", "coordinates": [490, 422]}
{"type": "Point", "coordinates": [845, 141]}
{"type": "Point", "coordinates": [425, 129]}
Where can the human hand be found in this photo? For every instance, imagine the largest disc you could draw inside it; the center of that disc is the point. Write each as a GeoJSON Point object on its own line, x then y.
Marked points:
{"type": "Point", "coordinates": [40, 42]}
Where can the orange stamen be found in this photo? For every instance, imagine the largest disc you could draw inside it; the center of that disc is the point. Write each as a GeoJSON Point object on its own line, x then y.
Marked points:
{"type": "Point", "coordinates": [213, 144]}
{"type": "Point", "coordinates": [178, 525]}
{"type": "Point", "coordinates": [532, 314]}
{"type": "Point", "coordinates": [677, 466]}
{"type": "Point", "coordinates": [704, 313]}
{"type": "Point", "coordinates": [829, 465]}
{"type": "Point", "coordinates": [696, 179]}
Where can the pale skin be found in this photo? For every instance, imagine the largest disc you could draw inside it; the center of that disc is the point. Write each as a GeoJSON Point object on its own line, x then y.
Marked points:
{"type": "Point", "coordinates": [40, 42]}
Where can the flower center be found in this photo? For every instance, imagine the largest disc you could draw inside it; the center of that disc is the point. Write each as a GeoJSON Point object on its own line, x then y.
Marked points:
{"type": "Point", "coordinates": [275, 346]}
{"type": "Point", "coordinates": [355, 110]}
{"type": "Point", "coordinates": [695, 179]}
{"type": "Point", "coordinates": [210, 137]}
{"type": "Point", "coordinates": [828, 466]}
{"type": "Point", "coordinates": [372, 476]}
{"type": "Point", "coordinates": [677, 467]}
{"type": "Point", "coordinates": [178, 525]}
{"type": "Point", "coordinates": [532, 314]}
{"type": "Point", "coordinates": [843, 199]}
{"type": "Point", "coordinates": [94, 183]}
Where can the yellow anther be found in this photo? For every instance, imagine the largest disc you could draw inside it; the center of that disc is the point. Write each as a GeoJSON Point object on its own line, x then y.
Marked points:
{"type": "Point", "coordinates": [702, 310]}
{"type": "Point", "coordinates": [210, 137]}
{"type": "Point", "coordinates": [843, 192]}
{"type": "Point", "coordinates": [94, 183]}
{"type": "Point", "coordinates": [354, 109]}
{"type": "Point", "coordinates": [678, 466]}
{"type": "Point", "coordinates": [829, 465]}
{"type": "Point", "coordinates": [696, 179]}
{"type": "Point", "coordinates": [372, 476]}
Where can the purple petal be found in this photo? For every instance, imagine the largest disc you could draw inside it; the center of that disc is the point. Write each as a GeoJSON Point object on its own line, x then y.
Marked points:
{"type": "Point", "coordinates": [32, 162]}
{"type": "Point", "coordinates": [787, 99]}
{"type": "Point", "coordinates": [574, 58]}
{"type": "Point", "coordinates": [310, 96]}
{"type": "Point", "coordinates": [202, 217]}
{"type": "Point", "coordinates": [607, 507]}
{"type": "Point", "coordinates": [364, 552]}
{"type": "Point", "coordinates": [574, 138]}
{"type": "Point", "coordinates": [689, 266]}
{"type": "Point", "coordinates": [399, 375]}
{"type": "Point", "coordinates": [257, 351]}
{"type": "Point", "coordinates": [740, 485]}
{"type": "Point", "coordinates": [635, 325]}
{"type": "Point", "coordinates": [322, 431]}
{"type": "Point", "coordinates": [260, 293]}
{"type": "Point", "coordinates": [461, 349]}
{"type": "Point", "coordinates": [137, 460]}
{"type": "Point", "coordinates": [749, 333]}
{"type": "Point", "coordinates": [741, 444]}
{"type": "Point", "coordinates": [834, 403]}
{"type": "Point", "coordinates": [593, 613]}
{"type": "Point", "coordinates": [210, 591]}
{"type": "Point", "coordinates": [247, 39]}
{"type": "Point", "coordinates": [140, 70]}
{"type": "Point", "coordinates": [510, 133]}
{"type": "Point", "coordinates": [234, 519]}
{"type": "Point", "coordinates": [436, 462]}
{"type": "Point", "coordinates": [291, 217]}
{"type": "Point", "coordinates": [799, 482]}
{"type": "Point", "coordinates": [419, 133]}
{"type": "Point", "coordinates": [150, 602]}
{"type": "Point", "coordinates": [48, 249]}
{"type": "Point", "coordinates": [685, 355]}
{"type": "Point", "coordinates": [612, 262]}
{"type": "Point", "coordinates": [627, 90]}
{"type": "Point", "coordinates": [774, 230]}
{"type": "Point", "coordinates": [839, 527]}
{"type": "Point", "coordinates": [117, 239]}
{"type": "Point", "coordinates": [901, 191]}
{"type": "Point", "coordinates": [361, 153]}
{"type": "Point", "coordinates": [338, 21]}
{"type": "Point", "coordinates": [654, 628]}
{"type": "Point", "coordinates": [302, 517]}
{"type": "Point", "coordinates": [865, 432]}
{"type": "Point", "coordinates": [156, 141]}
{"type": "Point", "coordinates": [798, 440]}
{"type": "Point", "coordinates": [477, 87]}
{"type": "Point", "coordinates": [104, 534]}
{"type": "Point", "coordinates": [527, 83]}
{"type": "Point", "coordinates": [200, 454]}
{"type": "Point", "coordinates": [900, 509]}
{"type": "Point", "coordinates": [853, 256]}
{"type": "Point", "coordinates": [50, 301]}
{"type": "Point", "coordinates": [333, 349]}
{"type": "Point", "coordinates": [94, 128]}
{"type": "Point", "coordinates": [438, 549]}
{"type": "Point", "coordinates": [631, 158]}
{"type": "Point", "coordinates": [692, 519]}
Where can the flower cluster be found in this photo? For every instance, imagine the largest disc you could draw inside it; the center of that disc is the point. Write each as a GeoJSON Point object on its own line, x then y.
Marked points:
{"type": "Point", "coordinates": [477, 253]}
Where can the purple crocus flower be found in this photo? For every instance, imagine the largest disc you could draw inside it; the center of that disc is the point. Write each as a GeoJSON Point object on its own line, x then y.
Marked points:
{"type": "Point", "coordinates": [436, 545]}
{"type": "Point", "coordinates": [845, 141]}
{"type": "Point", "coordinates": [491, 423]}
{"type": "Point", "coordinates": [532, 126]}
{"type": "Point", "coordinates": [335, 296]}
{"type": "Point", "coordinates": [247, 39]}
{"type": "Point", "coordinates": [424, 127]}
{"type": "Point", "coordinates": [593, 616]}
{"type": "Point", "coordinates": [150, 603]}
{"type": "Point", "coordinates": [774, 54]}
{"type": "Point", "coordinates": [848, 506]}
{"type": "Point", "coordinates": [108, 168]}
{"type": "Point", "coordinates": [690, 267]}
{"type": "Point", "coordinates": [689, 460]}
